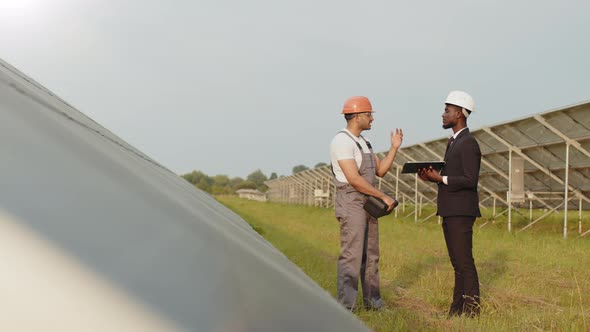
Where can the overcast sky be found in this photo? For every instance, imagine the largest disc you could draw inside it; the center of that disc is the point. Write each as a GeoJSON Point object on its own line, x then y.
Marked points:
{"type": "Point", "coordinates": [228, 87]}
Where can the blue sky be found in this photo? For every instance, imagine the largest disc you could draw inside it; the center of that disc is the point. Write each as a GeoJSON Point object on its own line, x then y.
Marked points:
{"type": "Point", "coordinates": [228, 87]}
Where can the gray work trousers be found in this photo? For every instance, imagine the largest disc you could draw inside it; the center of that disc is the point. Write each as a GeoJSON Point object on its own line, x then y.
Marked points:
{"type": "Point", "coordinates": [359, 255]}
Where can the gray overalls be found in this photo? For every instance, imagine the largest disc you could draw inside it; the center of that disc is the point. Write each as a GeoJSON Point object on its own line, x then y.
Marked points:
{"type": "Point", "coordinates": [359, 239]}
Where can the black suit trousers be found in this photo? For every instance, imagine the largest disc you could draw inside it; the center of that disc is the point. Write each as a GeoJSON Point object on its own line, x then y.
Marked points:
{"type": "Point", "coordinates": [458, 233]}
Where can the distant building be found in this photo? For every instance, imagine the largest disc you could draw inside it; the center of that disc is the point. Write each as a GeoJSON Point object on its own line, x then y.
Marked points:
{"type": "Point", "coordinates": [252, 194]}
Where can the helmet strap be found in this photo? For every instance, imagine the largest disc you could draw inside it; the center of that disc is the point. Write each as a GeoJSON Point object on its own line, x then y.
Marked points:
{"type": "Point", "coordinates": [464, 111]}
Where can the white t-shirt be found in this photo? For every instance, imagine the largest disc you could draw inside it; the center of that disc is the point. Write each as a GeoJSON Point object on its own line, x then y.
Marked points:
{"type": "Point", "coordinates": [343, 147]}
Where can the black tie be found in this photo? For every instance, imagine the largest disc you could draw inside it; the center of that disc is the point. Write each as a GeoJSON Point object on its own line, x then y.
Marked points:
{"type": "Point", "coordinates": [449, 143]}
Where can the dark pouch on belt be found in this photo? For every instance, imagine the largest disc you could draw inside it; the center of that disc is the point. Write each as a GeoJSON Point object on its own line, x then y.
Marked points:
{"type": "Point", "coordinates": [377, 208]}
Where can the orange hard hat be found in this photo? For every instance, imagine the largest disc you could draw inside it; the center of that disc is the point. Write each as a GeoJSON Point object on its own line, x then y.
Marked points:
{"type": "Point", "coordinates": [357, 104]}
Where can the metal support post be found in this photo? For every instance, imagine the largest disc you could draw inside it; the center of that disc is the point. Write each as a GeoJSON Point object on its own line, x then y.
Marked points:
{"type": "Point", "coordinates": [580, 217]}
{"type": "Point", "coordinates": [566, 189]}
{"type": "Point", "coordinates": [404, 203]}
{"type": "Point", "coordinates": [416, 198]}
{"type": "Point", "coordinates": [509, 199]}
{"type": "Point", "coordinates": [420, 206]}
{"type": "Point", "coordinates": [531, 196]}
{"type": "Point", "coordinates": [396, 186]}
{"type": "Point", "coordinates": [494, 211]}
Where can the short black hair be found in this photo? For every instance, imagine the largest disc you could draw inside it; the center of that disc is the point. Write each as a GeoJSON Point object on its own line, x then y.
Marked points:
{"type": "Point", "coordinates": [349, 116]}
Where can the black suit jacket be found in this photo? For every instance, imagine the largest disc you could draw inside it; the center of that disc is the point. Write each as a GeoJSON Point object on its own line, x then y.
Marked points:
{"type": "Point", "coordinates": [459, 197]}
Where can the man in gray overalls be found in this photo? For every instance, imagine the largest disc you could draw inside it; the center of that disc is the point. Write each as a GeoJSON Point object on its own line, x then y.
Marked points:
{"type": "Point", "coordinates": [355, 168]}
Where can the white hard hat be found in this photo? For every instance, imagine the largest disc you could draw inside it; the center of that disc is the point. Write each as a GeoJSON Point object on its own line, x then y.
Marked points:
{"type": "Point", "coordinates": [461, 99]}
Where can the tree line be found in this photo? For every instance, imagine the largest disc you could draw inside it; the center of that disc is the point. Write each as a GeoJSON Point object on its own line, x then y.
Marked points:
{"type": "Point", "coordinates": [223, 184]}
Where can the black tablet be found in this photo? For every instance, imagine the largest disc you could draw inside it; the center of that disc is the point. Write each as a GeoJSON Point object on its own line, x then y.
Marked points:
{"type": "Point", "coordinates": [414, 166]}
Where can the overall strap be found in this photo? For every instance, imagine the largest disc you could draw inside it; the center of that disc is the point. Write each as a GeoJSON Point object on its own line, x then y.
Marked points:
{"type": "Point", "coordinates": [370, 149]}
{"type": "Point", "coordinates": [357, 144]}
{"type": "Point", "coordinates": [355, 141]}
{"type": "Point", "coordinates": [368, 144]}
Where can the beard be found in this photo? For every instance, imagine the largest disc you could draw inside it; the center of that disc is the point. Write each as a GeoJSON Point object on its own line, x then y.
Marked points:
{"type": "Point", "coordinates": [447, 126]}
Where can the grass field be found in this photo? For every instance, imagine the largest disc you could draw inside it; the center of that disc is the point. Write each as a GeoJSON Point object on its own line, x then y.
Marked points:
{"type": "Point", "coordinates": [533, 280]}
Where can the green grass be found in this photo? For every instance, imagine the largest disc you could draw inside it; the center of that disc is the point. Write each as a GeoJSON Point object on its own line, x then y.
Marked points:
{"type": "Point", "coordinates": [533, 280]}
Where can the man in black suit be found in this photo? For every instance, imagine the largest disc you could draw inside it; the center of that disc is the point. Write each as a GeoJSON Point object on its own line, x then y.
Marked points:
{"type": "Point", "coordinates": [458, 202]}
